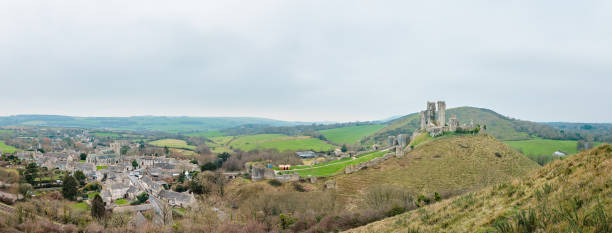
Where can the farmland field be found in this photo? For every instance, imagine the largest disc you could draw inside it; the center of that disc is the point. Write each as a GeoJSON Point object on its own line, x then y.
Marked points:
{"type": "Point", "coordinates": [219, 144]}
{"type": "Point", "coordinates": [543, 146]}
{"type": "Point", "coordinates": [334, 167]}
{"type": "Point", "coordinates": [6, 148]}
{"type": "Point", "coordinates": [106, 134]}
{"type": "Point", "coordinates": [172, 143]}
{"type": "Point", "coordinates": [295, 144]}
{"type": "Point", "coordinates": [80, 206]}
{"type": "Point", "coordinates": [279, 142]}
{"type": "Point", "coordinates": [183, 152]}
{"type": "Point", "coordinates": [5, 131]}
{"type": "Point", "coordinates": [121, 201]}
{"type": "Point", "coordinates": [350, 135]}
{"type": "Point", "coordinates": [208, 134]}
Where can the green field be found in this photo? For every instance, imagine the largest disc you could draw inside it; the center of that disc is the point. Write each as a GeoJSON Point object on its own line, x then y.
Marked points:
{"type": "Point", "coordinates": [219, 144]}
{"type": "Point", "coordinates": [350, 135]}
{"type": "Point", "coordinates": [92, 195]}
{"type": "Point", "coordinates": [172, 143]}
{"type": "Point", "coordinates": [6, 148]}
{"type": "Point", "coordinates": [279, 142]}
{"type": "Point", "coordinates": [208, 134]}
{"type": "Point", "coordinates": [101, 167]}
{"type": "Point", "coordinates": [106, 134]}
{"type": "Point", "coordinates": [543, 146]}
{"type": "Point", "coordinates": [5, 131]}
{"type": "Point", "coordinates": [335, 167]}
{"type": "Point", "coordinates": [80, 206]}
{"type": "Point", "coordinates": [121, 201]}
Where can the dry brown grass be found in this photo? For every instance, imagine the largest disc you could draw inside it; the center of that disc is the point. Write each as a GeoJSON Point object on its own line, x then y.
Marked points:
{"type": "Point", "coordinates": [571, 195]}
{"type": "Point", "coordinates": [448, 166]}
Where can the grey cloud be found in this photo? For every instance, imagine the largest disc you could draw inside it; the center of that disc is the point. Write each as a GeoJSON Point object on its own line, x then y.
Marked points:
{"type": "Point", "coordinates": [306, 60]}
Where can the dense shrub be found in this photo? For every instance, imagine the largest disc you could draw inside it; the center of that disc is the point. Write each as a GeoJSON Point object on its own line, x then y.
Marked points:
{"type": "Point", "coordinates": [210, 166]}
{"type": "Point", "coordinates": [275, 183]}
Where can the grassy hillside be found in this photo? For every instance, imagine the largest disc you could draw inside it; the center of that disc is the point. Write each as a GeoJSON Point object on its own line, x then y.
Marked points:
{"type": "Point", "coordinates": [446, 165]}
{"type": "Point", "coordinates": [172, 143]}
{"type": "Point", "coordinates": [208, 134]}
{"type": "Point", "coordinates": [350, 135]}
{"type": "Point", "coordinates": [499, 126]}
{"type": "Point", "coordinates": [570, 195]}
{"type": "Point", "coordinates": [599, 132]}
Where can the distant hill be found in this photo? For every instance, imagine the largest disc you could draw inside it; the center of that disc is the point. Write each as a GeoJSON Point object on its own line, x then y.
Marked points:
{"type": "Point", "coordinates": [599, 132]}
{"type": "Point", "coordinates": [158, 123]}
{"type": "Point", "coordinates": [570, 195]}
{"type": "Point", "coordinates": [446, 165]}
{"type": "Point", "coordinates": [349, 135]}
{"type": "Point", "coordinates": [501, 127]}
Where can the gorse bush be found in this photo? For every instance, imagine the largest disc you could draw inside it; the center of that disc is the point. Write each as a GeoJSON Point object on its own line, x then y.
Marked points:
{"type": "Point", "coordinates": [275, 183]}
{"type": "Point", "coordinates": [526, 221]}
{"type": "Point", "coordinates": [598, 219]}
{"type": "Point", "coordinates": [298, 187]}
{"type": "Point", "coordinates": [503, 226]}
{"type": "Point", "coordinates": [396, 210]}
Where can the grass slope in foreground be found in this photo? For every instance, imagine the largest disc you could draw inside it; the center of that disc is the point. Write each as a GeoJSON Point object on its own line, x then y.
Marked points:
{"type": "Point", "coordinates": [446, 165]}
{"type": "Point", "coordinates": [570, 195]}
{"type": "Point", "coordinates": [350, 135]}
{"type": "Point", "coordinates": [172, 143]}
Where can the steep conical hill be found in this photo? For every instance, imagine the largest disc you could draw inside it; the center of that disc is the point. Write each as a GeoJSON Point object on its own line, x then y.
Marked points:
{"type": "Point", "coordinates": [445, 165]}
{"type": "Point", "coordinates": [570, 195]}
{"type": "Point", "coordinates": [501, 127]}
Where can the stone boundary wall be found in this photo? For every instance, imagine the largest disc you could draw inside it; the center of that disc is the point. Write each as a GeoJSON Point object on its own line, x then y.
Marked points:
{"type": "Point", "coordinates": [132, 208]}
{"type": "Point", "coordinates": [287, 177]}
{"type": "Point", "coordinates": [356, 167]}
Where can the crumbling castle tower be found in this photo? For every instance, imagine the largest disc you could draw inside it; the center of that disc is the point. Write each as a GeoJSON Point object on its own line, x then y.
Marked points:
{"type": "Point", "coordinates": [432, 117]}
{"type": "Point", "coordinates": [441, 113]}
{"type": "Point", "coordinates": [430, 113]}
{"type": "Point", "coordinates": [453, 123]}
{"type": "Point", "coordinates": [423, 120]}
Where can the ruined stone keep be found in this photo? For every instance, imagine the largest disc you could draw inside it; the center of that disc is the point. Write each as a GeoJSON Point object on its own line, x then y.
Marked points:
{"type": "Point", "coordinates": [433, 121]}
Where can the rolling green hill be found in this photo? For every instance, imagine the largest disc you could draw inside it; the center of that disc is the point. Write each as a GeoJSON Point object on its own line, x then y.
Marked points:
{"type": "Point", "coordinates": [351, 134]}
{"type": "Point", "coordinates": [570, 195]}
{"type": "Point", "coordinates": [501, 127]}
{"type": "Point", "coordinates": [445, 165]}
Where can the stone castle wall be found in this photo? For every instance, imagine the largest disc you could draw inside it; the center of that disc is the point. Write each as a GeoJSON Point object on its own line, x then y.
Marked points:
{"type": "Point", "coordinates": [356, 167]}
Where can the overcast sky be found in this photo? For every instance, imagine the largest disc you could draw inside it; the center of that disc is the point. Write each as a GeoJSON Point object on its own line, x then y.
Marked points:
{"type": "Point", "coordinates": [306, 60]}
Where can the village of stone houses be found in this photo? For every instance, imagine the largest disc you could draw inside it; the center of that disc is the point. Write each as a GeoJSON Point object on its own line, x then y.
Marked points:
{"type": "Point", "coordinates": [63, 177]}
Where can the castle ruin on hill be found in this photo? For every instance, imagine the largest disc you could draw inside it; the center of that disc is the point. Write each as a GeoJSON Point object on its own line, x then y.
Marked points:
{"type": "Point", "coordinates": [433, 121]}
